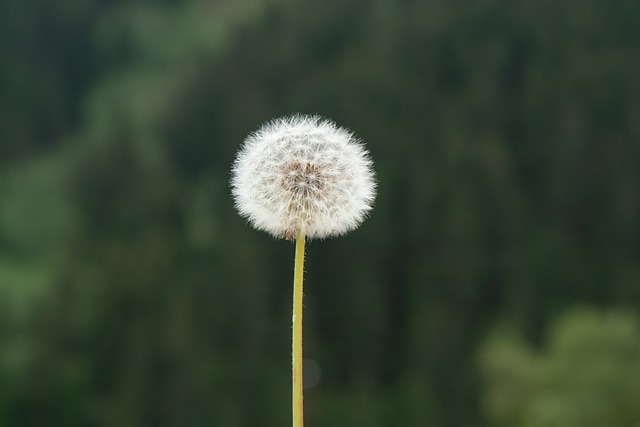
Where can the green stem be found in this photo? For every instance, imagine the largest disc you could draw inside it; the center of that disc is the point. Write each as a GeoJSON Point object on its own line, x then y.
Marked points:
{"type": "Point", "coordinates": [298, 418]}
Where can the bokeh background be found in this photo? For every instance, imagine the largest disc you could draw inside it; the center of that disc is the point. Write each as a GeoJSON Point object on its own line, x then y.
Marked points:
{"type": "Point", "coordinates": [496, 282]}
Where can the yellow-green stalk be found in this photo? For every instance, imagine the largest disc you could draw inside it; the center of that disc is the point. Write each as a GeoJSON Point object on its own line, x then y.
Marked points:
{"type": "Point", "coordinates": [298, 412]}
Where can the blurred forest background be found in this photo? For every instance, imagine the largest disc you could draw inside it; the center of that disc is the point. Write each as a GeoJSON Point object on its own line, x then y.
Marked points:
{"type": "Point", "coordinates": [496, 283]}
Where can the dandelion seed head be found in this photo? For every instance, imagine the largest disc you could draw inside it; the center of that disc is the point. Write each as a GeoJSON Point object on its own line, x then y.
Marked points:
{"type": "Point", "coordinates": [303, 173]}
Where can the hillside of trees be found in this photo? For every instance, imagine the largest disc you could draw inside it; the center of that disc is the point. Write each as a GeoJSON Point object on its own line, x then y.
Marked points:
{"type": "Point", "coordinates": [496, 282]}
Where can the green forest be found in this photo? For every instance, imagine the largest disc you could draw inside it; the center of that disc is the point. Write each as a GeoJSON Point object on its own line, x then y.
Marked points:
{"type": "Point", "coordinates": [496, 282]}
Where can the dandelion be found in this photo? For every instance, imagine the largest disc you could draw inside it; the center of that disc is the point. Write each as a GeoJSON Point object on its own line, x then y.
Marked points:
{"type": "Point", "coordinates": [303, 173]}
{"type": "Point", "coordinates": [302, 177]}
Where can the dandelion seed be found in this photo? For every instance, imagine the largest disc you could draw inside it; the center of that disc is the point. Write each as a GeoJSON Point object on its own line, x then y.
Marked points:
{"type": "Point", "coordinates": [303, 173]}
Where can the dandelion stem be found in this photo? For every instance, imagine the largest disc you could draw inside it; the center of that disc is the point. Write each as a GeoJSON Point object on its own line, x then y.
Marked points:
{"type": "Point", "coordinates": [298, 418]}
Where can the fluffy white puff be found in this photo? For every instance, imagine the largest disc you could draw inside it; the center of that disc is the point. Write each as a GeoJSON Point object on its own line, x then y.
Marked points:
{"type": "Point", "coordinates": [303, 173]}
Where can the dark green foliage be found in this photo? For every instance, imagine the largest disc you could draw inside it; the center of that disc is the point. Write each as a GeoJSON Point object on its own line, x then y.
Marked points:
{"type": "Point", "coordinates": [506, 141]}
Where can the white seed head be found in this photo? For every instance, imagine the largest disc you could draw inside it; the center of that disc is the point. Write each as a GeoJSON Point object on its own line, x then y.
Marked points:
{"type": "Point", "coordinates": [303, 173]}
